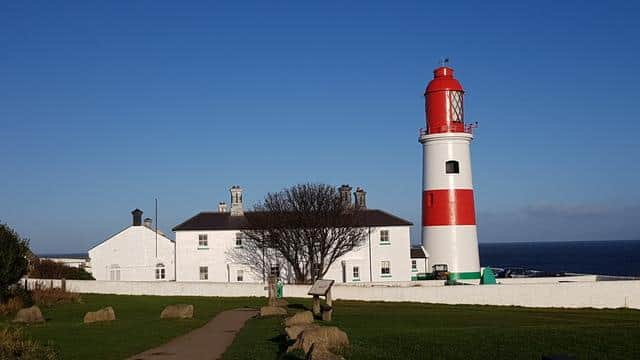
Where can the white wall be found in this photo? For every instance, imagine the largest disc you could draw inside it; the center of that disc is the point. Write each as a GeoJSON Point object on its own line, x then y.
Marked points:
{"type": "Point", "coordinates": [214, 256]}
{"type": "Point", "coordinates": [133, 251]}
{"type": "Point", "coordinates": [421, 266]}
{"type": "Point", "coordinates": [596, 294]}
{"type": "Point", "coordinates": [222, 267]}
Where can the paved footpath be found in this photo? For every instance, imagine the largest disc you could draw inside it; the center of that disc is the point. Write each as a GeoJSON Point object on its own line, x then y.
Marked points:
{"type": "Point", "coordinates": [208, 342]}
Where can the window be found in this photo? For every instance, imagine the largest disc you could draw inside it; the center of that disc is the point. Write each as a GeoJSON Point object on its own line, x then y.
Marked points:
{"type": "Point", "coordinates": [452, 167]}
{"type": "Point", "coordinates": [239, 237]}
{"type": "Point", "coordinates": [114, 272]}
{"type": "Point", "coordinates": [384, 236]}
{"type": "Point", "coordinates": [414, 265]}
{"type": "Point", "coordinates": [204, 273]}
{"type": "Point", "coordinates": [275, 270]}
{"type": "Point", "coordinates": [160, 272]}
{"type": "Point", "coordinates": [203, 240]}
{"type": "Point", "coordinates": [356, 273]}
{"type": "Point", "coordinates": [385, 268]}
{"type": "Point", "coordinates": [455, 100]}
{"type": "Point", "coordinates": [240, 275]}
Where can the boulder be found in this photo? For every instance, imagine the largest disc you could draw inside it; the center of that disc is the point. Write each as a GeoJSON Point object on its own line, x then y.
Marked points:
{"type": "Point", "coordinates": [106, 314]}
{"type": "Point", "coordinates": [301, 318]}
{"type": "Point", "coordinates": [272, 311]}
{"type": "Point", "coordinates": [321, 353]}
{"type": "Point", "coordinates": [30, 315]}
{"type": "Point", "coordinates": [294, 330]}
{"type": "Point", "coordinates": [328, 337]}
{"type": "Point", "coordinates": [177, 311]}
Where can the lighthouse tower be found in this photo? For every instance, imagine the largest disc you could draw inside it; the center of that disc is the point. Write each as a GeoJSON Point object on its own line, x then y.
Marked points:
{"type": "Point", "coordinates": [448, 213]}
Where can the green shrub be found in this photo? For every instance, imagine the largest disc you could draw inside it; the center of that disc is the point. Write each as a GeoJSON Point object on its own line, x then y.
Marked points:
{"type": "Point", "coordinates": [14, 252]}
{"type": "Point", "coordinates": [48, 269]}
{"type": "Point", "coordinates": [13, 346]}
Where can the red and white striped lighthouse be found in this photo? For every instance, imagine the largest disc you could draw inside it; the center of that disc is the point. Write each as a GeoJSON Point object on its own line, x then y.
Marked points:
{"type": "Point", "coordinates": [448, 213]}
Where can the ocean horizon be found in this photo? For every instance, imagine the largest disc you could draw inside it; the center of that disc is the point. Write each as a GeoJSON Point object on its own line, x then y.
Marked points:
{"type": "Point", "coordinates": [602, 257]}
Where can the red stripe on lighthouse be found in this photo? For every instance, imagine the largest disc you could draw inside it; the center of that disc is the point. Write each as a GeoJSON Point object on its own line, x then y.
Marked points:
{"type": "Point", "coordinates": [448, 207]}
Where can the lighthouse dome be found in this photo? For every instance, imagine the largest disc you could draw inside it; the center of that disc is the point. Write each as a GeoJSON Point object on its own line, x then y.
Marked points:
{"type": "Point", "coordinates": [443, 80]}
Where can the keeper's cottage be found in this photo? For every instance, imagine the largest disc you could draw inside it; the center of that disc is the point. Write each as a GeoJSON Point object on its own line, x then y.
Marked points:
{"type": "Point", "coordinates": [205, 245]}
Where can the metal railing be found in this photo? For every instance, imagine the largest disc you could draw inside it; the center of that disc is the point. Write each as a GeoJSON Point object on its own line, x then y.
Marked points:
{"type": "Point", "coordinates": [468, 128]}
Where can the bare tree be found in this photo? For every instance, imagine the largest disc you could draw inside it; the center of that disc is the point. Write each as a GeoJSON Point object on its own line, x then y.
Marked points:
{"type": "Point", "coordinates": [309, 226]}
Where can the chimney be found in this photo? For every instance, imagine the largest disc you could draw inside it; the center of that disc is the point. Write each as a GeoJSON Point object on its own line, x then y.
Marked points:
{"type": "Point", "coordinates": [345, 194]}
{"type": "Point", "coordinates": [361, 198]}
{"type": "Point", "coordinates": [222, 207]}
{"type": "Point", "coordinates": [236, 201]}
{"type": "Point", "coordinates": [148, 223]}
{"type": "Point", "coordinates": [137, 217]}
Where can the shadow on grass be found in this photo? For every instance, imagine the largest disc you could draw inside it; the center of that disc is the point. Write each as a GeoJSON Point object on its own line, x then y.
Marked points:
{"type": "Point", "coordinates": [283, 344]}
{"type": "Point", "coordinates": [298, 307]}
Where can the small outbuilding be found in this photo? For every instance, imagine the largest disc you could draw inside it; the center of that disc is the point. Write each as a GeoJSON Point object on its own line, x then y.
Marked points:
{"type": "Point", "coordinates": [419, 262]}
{"type": "Point", "coordinates": [136, 253]}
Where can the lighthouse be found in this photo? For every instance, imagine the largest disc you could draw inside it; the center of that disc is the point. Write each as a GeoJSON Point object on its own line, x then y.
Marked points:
{"type": "Point", "coordinates": [448, 213]}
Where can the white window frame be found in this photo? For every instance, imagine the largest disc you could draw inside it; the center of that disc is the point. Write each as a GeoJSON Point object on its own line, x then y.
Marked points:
{"type": "Point", "coordinates": [239, 239]}
{"type": "Point", "coordinates": [355, 272]}
{"type": "Point", "coordinates": [414, 265]}
{"type": "Point", "coordinates": [204, 275]}
{"type": "Point", "coordinates": [385, 268]}
{"type": "Point", "coordinates": [203, 241]}
{"type": "Point", "coordinates": [114, 272]}
{"type": "Point", "coordinates": [385, 237]}
{"type": "Point", "coordinates": [161, 273]}
{"type": "Point", "coordinates": [274, 270]}
{"type": "Point", "coordinates": [239, 275]}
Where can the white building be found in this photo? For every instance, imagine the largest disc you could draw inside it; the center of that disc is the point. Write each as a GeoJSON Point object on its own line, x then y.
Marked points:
{"type": "Point", "coordinates": [419, 263]}
{"type": "Point", "coordinates": [205, 246]}
{"type": "Point", "coordinates": [136, 253]}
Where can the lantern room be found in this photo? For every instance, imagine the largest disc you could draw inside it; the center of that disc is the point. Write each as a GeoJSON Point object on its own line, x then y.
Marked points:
{"type": "Point", "coordinates": [444, 103]}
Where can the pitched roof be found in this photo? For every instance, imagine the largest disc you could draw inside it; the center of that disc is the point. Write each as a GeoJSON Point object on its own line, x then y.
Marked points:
{"type": "Point", "coordinates": [224, 221]}
{"type": "Point", "coordinates": [130, 226]}
{"type": "Point", "coordinates": [418, 253]}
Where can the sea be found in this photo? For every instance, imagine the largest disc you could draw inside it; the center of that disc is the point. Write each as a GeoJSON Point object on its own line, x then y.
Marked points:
{"type": "Point", "coordinates": [618, 258]}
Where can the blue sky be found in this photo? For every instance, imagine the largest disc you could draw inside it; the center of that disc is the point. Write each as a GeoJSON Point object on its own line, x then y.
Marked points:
{"type": "Point", "coordinates": [106, 105]}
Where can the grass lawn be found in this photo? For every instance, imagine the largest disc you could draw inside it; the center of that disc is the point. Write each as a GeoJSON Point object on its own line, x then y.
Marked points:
{"type": "Point", "coordinates": [423, 331]}
{"type": "Point", "coordinates": [137, 328]}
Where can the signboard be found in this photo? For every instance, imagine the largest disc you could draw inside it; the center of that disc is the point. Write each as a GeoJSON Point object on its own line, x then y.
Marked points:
{"type": "Point", "coordinates": [321, 287]}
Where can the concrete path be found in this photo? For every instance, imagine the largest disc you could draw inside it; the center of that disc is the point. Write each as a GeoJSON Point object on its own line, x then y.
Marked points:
{"type": "Point", "coordinates": [208, 342]}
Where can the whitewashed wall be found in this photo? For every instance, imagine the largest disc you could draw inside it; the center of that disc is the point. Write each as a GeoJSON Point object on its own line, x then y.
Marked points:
{"type": "Point", "coordinates": [222, 267]}
{"type": "Point", "coordinates": [190, 256]}
{"type": "Point", "coordinates": [133, 252]}
{"type": "Point", "coordinates": [601, 294]}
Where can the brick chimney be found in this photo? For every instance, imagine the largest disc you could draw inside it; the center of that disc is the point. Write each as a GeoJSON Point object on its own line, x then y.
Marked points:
{"type": "Point", "coordinates": [137, 217]}
{"type": "Point", "coordinates": [222, 207]}
{"type": "Point", "coordinates": [361, 198]}
{"type": "Point", "coordinates": [345, 194]}
{"type": "Point", "coordinates": [236, 201]}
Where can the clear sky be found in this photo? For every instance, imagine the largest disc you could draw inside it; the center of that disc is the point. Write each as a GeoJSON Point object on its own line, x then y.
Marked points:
{"type": "Point", "coordinates": [106, 105]}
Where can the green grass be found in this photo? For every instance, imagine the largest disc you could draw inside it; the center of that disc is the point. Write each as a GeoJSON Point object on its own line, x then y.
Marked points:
{"type": "Point", "coordinates": [424, 331]}
{"type": "Point", "coordinates": [138, 326]}
{"type": "Point", "coordinates": [376, 330]}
